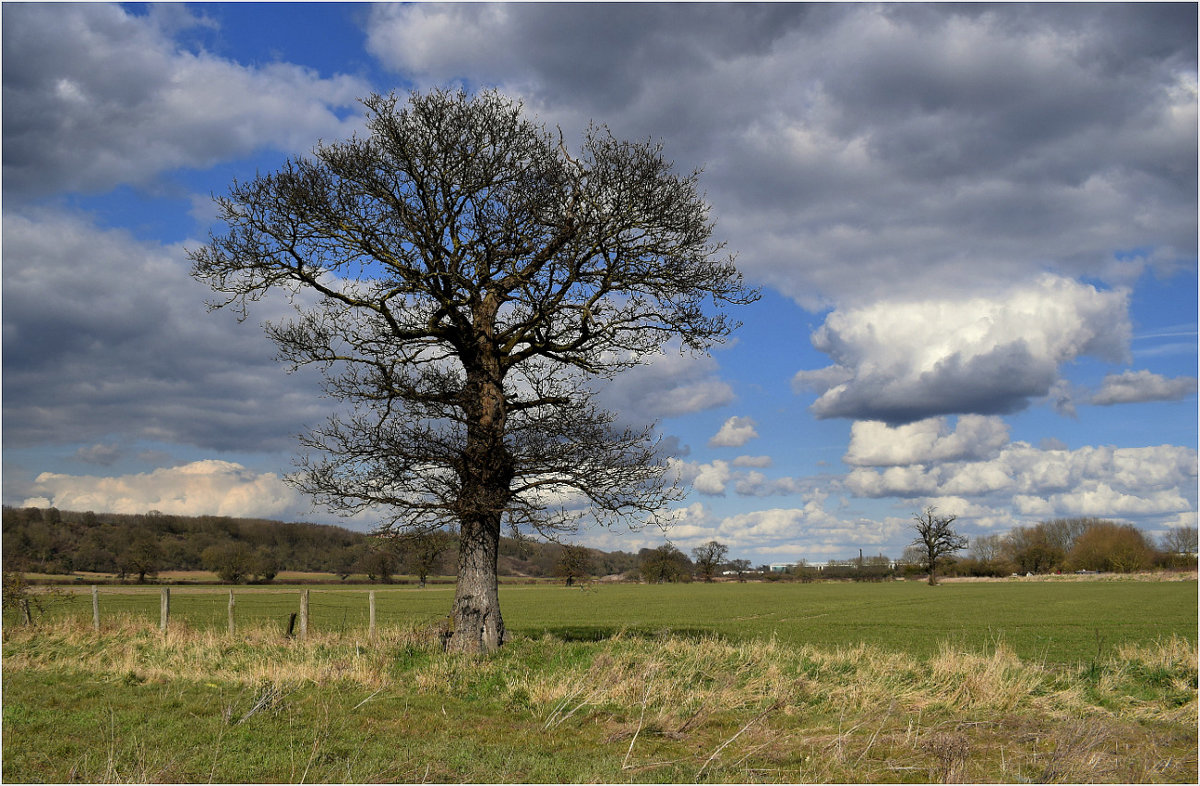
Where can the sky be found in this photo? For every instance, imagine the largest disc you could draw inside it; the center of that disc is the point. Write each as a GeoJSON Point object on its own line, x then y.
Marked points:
{"type": "Point", "coordinates": [974, 228]}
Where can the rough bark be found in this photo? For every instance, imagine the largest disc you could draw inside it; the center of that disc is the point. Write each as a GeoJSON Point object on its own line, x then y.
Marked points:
{"type": "Point", "coordinates": [477, 625]}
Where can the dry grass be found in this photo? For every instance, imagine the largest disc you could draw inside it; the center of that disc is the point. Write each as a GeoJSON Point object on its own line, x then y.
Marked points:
{"type": "Point", "coordinates": [1149, 575]}
{"type": "Point", "coordinates": [676, 708]}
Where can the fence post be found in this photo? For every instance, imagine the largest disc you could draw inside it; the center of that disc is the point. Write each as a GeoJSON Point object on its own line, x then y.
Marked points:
{"type": "Point", "coordinates": [164, 609]}
{"type": "Point", "coordinates": [303, 614]}
{"type": "Point", "coordinates": [371, 601]}
{"type": "Point", "coordinates": [26, 617]}
{"type": "Point", "coordinates": [95, 608]}
{"type": "Point", "coordinates": [231, 612]}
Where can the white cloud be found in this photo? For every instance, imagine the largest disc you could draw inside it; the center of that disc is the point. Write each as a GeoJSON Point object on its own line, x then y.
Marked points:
{"type": "Point", "coordinates": [761, 462]}
{"type": "Point", "coordinates": [208, 487]}
{"type": "Point", "coordinates": [809, 532]}
{"type": "Point", "coordinates": [911, 360]}
{"type": "Point", "coordinates": [876, 444]}
{"type": "Point", "coordinates": [96, 96]}
{"type": "Point", "coordinates": [1090, 481]}
{"type": "Point", "coordinates": [714, 478]}
{"type": "Point", "coordinates": [1132, 387]}
{"type": "Point", "coordinates": [735, 432]}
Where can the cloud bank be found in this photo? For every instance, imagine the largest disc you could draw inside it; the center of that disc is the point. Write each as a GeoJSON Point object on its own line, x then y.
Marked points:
{"type": "Point", "coordinates": [208, 487]}
{"type": "Point", "coordinates": [903, 361]}
{"type": "Point", "coordinates": [858, 151]}
{"type": "Point", "coordinates": [96, 96]}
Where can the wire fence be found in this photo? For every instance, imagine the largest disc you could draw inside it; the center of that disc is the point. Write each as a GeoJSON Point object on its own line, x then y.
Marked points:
{"type": "Point", "coordinates": [294, 612]}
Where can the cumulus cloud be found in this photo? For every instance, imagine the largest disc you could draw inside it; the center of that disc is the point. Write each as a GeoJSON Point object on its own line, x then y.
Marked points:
{"type": "Point", "coordinates": [714, 478]}
{"type": "Point", "coordinates": [709, 479]}
{"type": "Point", "coordinates": [209, 487]}
{"type": "Point", "coordinates": [907, 149]}
{"type": "Point", "coordinates": [1132, 387]}
{"type": "Point", "coordinates": [1090, 481]}
{"type": "Point", "coordinates": [95, 96]}
{"type": "Point", "coordinates": [810, 531]}
{"type": "Point", "coordinates": [735, 432]}
{"type": "Point", "coordinates": [103, 455]}
{"type": "Point", "coordinates": [974, 437]}
{"type": "Point", "coordinates": [904, 361]}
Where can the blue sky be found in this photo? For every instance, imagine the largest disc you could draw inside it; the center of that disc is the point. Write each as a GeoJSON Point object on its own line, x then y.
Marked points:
{"type": "Point", "coordinates": [974, 228]}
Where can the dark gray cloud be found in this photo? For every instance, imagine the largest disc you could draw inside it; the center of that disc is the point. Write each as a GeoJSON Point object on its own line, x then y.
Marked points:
{"type": "Point", "coordinates": [665, 385]}
{"type": "Point", "coordinates": [95, 96]}
{"type": "Point", "coordinates": [106, 335]}
{"type": "Point", "coordinates": [856, 150]}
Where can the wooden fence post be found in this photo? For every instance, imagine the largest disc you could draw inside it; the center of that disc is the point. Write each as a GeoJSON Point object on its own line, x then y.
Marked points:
{"type": "Point", "coordinates": [371, 602]}
{"type": "Point", "coordinates": [231, 628]}
{"type": "Point", "coordinates": [26, 617]}
{"type": "Point", "coordinates": [303, 614]}
{"type": "Point", "coordinates": [95, 608]}
{"type": "Point", "coordinates": [164, 609]}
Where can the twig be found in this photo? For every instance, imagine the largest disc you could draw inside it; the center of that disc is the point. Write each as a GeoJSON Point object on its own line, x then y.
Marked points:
{"type": "Point", "coordinates": [725, 744]}
{"type": "Point", "coordinates": [364, 701]}
{"type": "Point", "coordinates": [871, 742]}
{"type": "Point", "coordinates": [628, 753]}
{"type": "Point", "coordinates": [561, 706]}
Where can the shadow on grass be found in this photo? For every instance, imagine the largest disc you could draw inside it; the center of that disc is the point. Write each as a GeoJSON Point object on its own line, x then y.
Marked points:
{"type": "Point", "coordinates": [592, 633]}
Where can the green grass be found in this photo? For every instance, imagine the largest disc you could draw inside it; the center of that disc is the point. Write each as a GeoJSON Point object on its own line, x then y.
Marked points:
{"type": "Point", "coordinates": [131, 704]}
{"type": "Point", "coordinates": [1058, 622]}
{"type": "Point", "coordinates": [1002, 681]}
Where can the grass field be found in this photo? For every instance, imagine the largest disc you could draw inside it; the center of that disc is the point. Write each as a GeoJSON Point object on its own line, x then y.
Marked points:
{"type": "Point", "coordinates": [1047, 621]}
{"type": "Point", "coordinates": [1001, 682]}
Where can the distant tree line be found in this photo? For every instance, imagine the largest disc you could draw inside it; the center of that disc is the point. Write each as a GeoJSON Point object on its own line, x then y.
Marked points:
{"type": "Point", "coordinates": [137, 547]}
{"type": "Point", "coordinates": [1076, 544]}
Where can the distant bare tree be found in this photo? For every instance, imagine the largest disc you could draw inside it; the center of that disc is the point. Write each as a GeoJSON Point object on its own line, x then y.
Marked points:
{"type": "Point", "coordinates": [1109, 546]}
{"type": "Point", "coordinates": [741, 567]}
{"type": "Point", "coordinates": [460, 277]}
{"type": "Point", "coordinates": [708, 558]}
{"type": "Point", "coordinates": [424, 551]}
{"type": "Point", "coordinates": [935, 539]}
{"type": "Point", "coordinates": [574, 563]}
{"type": "Point", "coordinates": [987, 548]}
{"type": "Point", "coordinates": [1179, 540]}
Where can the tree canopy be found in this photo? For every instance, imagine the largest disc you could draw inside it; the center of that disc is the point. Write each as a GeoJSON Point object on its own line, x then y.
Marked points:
{"type": "Point", "coordinates": [460, 277]}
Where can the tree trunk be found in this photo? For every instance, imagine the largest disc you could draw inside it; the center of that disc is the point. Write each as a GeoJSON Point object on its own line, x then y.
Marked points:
{"type": "Point", "coordinates": [486, 473]}
{"type": "Point", "coordinates": [478, 626]}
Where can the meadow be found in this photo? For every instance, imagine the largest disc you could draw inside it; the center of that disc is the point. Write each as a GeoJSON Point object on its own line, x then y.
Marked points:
{"type": "Point", "coordinates": [893, 682]}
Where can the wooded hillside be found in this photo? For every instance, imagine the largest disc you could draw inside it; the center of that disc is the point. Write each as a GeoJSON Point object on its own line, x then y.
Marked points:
{"type": "Point", "coordinates": [242, 549]}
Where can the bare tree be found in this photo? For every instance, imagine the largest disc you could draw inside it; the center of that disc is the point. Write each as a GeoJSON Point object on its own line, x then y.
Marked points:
{"type": "Point", "coordinates": [741, 567]}
{"type": "Point", "coordinates": [574, 563]}
{"type": "Point", "coordinates": [935, 539]}
{"type": "Point", "coordinates": [460, 278]}
{"type": "Point", "coordinates": [425, 549]}
{"type": "Point", "coordinates": [987, 548]}
{"type": "Point", "coordinates": [709, 557]}
{"type": "Point", "coordinates": [1179, 540]}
